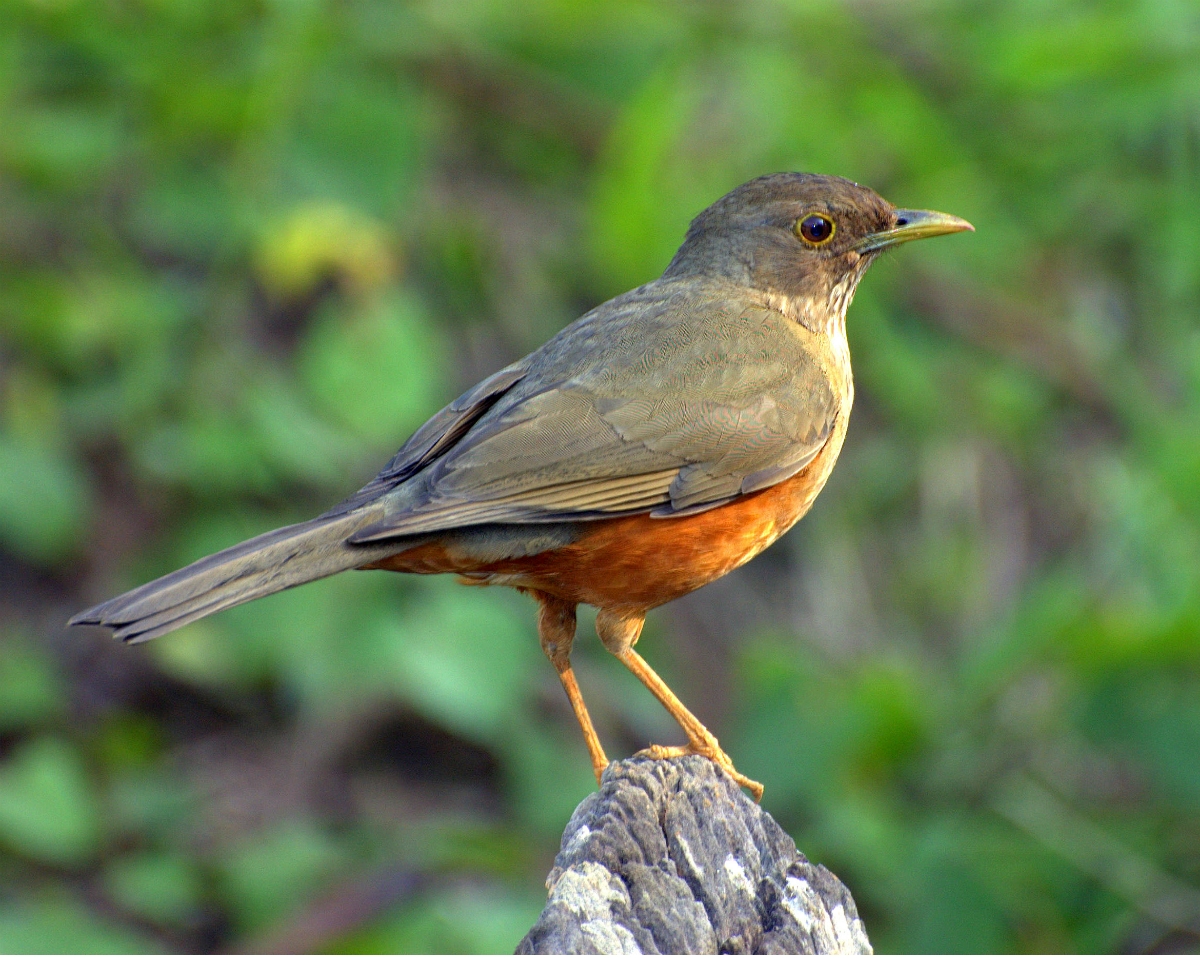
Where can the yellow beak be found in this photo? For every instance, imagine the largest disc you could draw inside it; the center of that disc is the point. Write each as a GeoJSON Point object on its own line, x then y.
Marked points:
{"type": "Point", "coordinates": [913, 225]}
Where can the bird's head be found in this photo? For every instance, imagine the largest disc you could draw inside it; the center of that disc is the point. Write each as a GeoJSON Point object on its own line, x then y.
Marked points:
{"type": "Point", "coordinates": [802, 237]}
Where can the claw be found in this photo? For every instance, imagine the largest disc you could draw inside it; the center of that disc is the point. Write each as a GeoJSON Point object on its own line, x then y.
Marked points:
{"type": "Point", "coordinates": [711, 752]}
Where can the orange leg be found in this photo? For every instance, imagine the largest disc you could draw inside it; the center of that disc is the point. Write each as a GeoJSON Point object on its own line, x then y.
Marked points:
{"type": "Point", "coordinates": [619, 632]}
{"type": "Point", "coordinates": [556, 629]}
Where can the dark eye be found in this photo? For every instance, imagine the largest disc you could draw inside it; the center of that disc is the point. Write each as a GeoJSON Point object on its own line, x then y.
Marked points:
{"type": "Point", "coordinates": [815, 229]}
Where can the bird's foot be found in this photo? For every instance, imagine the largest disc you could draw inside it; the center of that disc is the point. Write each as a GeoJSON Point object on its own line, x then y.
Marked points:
{"type": "Point", "coordinates": [711, 751]}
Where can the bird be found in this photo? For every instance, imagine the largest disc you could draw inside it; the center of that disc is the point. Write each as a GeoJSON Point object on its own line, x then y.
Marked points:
{"type": "Point", "coordinates": [657, 443]}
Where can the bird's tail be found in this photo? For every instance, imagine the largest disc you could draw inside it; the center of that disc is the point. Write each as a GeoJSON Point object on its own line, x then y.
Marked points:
{"type": "Point", "coordinates": [261, 566]}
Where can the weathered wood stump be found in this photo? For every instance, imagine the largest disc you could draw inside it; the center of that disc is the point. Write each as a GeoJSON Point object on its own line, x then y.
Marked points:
{"type": "Point", "coordinates": [670, 857]}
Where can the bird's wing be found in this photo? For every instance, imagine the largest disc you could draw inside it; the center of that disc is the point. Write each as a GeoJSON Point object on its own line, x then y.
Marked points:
{"type": "Point", "coordinates": [437, 436]}
{"type": "Point", "coordinates": [668, 409]}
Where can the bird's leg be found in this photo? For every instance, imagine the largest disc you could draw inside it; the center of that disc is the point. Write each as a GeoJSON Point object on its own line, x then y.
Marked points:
{"type": "Point", "coordinates": [619, 631]}
{"type": "Point", "coordinates": [556, 629]}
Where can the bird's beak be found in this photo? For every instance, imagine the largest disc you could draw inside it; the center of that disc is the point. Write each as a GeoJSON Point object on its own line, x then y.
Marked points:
{"type": "Point", "coordinates": [912, 225]}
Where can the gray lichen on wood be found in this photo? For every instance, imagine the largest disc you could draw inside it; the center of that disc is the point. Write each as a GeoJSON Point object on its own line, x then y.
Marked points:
{"type": "Point", "coordinates": [670, 857]}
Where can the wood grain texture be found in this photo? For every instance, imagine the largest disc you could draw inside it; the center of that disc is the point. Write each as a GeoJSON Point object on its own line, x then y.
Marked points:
{"type": "Point", "coordinates": [669, 857]}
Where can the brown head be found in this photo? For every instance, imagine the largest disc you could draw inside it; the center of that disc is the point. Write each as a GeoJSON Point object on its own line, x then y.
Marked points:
{"type": "Point", "coordinates": [800, 236]}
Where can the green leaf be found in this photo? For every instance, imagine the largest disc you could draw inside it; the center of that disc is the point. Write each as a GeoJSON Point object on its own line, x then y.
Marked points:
{"type": "Point", "coordinates": [273, 873]}
{"type": "Point", "coordinates": [45, 502]}
{"type": "Point", "coordinates": [475, 921]}
{"type": "Point", "coordinates": [56, 924]}
{"type": "Point", "coordinates": [48, 806]}
{"type": "Point", "coordinates": [31, 689]}
{"type": "Point", "coordinates": [464, 658]}
{"type": "Point", "coordinates": [547, 774]}
{"type": "Point", "coordinates": [152, 802]}
{"type": "Point", "coordinates": [163, 887]}
{"type": "Point", "coordinates": [375, 368]}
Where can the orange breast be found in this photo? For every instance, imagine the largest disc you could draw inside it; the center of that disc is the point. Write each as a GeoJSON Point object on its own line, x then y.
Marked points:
{"type": "Point", "coordinates": [636, 562]}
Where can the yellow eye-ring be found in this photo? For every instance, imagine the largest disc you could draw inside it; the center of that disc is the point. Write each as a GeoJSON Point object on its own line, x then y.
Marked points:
{"type": "Point", "coordinates": [815, 229]}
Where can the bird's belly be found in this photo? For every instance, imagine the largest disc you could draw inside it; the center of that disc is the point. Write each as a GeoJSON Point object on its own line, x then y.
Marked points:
{"type": "Point", "coordinates": [637, 562]}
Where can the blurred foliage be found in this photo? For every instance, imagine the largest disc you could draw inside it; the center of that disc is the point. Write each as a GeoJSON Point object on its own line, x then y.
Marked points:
{"type": "Point", "coordinates": [247, 247]}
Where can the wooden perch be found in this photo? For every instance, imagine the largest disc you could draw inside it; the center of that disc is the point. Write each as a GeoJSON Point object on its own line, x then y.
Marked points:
{"type": "Point", "coordinates": [670, 857]}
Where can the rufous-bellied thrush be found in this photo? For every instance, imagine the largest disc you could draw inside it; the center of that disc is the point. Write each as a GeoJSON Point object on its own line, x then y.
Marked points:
{"type": "Point", "coordinates": [658, 442]}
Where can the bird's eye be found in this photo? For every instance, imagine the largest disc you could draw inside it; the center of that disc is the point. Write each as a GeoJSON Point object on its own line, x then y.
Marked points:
{"type": "Point", "coordinates": [815, 229]}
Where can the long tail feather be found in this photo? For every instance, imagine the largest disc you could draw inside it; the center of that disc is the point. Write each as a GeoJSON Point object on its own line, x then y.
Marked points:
{"type": "Point", "coordinates": [261, 566]}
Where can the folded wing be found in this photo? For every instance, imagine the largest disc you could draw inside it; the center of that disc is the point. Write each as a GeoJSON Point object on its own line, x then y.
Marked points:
{"type": "Point", "coordinates": [696, 403]}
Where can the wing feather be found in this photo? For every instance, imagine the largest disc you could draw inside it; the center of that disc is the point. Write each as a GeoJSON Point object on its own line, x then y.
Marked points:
{"type": "Point", "coordinates": [681, 405]}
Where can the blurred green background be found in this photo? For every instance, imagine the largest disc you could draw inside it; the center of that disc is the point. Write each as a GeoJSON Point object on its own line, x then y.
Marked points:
{"type": "Point", "coordinates": [247, 246]}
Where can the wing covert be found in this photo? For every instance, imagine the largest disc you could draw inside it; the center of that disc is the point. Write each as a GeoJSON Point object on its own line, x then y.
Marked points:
{"type": "Point", "coordinates": [704, 403]}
